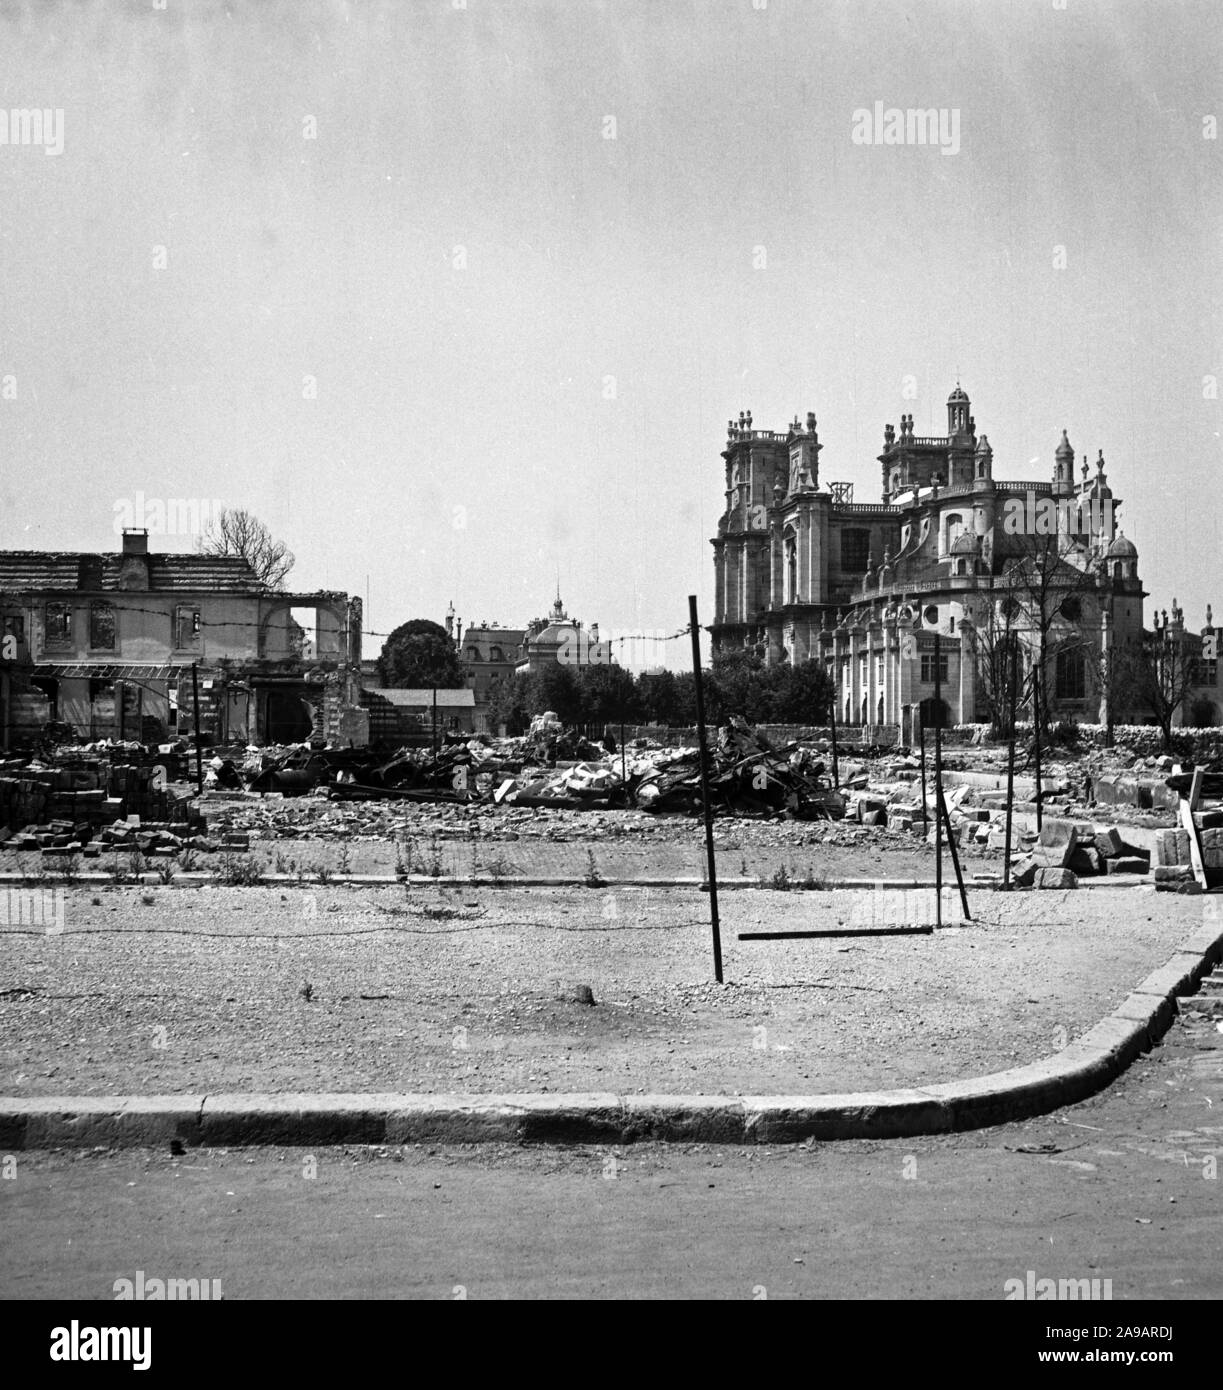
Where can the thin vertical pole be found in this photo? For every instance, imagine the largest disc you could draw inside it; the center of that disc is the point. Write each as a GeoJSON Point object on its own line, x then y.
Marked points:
{"type": "Point", "coordinates": [700, 734]}
{"type": "Point", "coordinates": [836, 769]}
{"type": "Point", "coordinates": [623, 766]}
{"type": "Point", "coordinates": [1012, 656]}
{"type": "Point", "coordinates": [955, 856]}
{"type": "Point", "coordinates": [1036, 679]}
{"type": "Point", "coordinates": [199, 756]}
{"type": "Point", "coordinates": [434, 735]}
{"type": "Point", "coordinates": [938, 782]}
{"type": "Point", "coordinates": [921, 735]}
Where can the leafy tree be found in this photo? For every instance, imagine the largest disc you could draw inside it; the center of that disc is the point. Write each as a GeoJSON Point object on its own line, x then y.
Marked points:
{"type": "Point", "coordinates": [234, 531]}
{"type": "Point", "coordinates": [737, 685]}
{"type": "Point", "coordinates": [660, 697]}
{"type": "Point", "coordinates": [608, 694]}
{"type": "Point", "coordinates": [803, 694]}
{"type": "Point", "coordinates": [555, 688]}
{"type": "Point", "coordinates": [418, 656]}
{"type": "Point", "coordinates": [509, 703]}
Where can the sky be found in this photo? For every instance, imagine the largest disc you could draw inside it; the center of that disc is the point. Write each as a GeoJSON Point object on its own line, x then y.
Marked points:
{"type": "Point", "coordinates": [459, 297]}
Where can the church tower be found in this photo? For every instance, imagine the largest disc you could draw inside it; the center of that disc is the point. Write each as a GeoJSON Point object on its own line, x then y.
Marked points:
{"type": "Point", "coordinates": [1063, 468]}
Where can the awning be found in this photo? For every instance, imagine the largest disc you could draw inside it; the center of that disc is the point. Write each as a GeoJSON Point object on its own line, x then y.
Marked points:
{"type": "Point", "coordinates": [105, 671]}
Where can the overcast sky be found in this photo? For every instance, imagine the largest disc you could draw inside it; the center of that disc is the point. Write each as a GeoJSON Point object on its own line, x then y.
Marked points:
{"type": "Point", "coordinates": [418, 209]}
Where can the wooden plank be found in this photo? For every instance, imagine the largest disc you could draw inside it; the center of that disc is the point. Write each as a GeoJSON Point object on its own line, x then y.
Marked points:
{"type": "Point", "coordinates": [1195, 845]}
{"type": "Point", "coordinates": [1195, 788]}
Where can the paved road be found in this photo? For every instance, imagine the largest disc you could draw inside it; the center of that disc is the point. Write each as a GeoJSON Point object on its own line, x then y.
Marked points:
{"type": "Point", "coordinates": [1116, 1188]}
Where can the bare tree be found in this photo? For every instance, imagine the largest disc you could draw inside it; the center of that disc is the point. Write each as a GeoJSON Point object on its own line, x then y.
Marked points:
{"type": "Point", "coordinates": [1159, 675]}
{"type": "Point", "coordinates": [1038, 604]}
{"type": "Point", "coordinates": [234, 531]}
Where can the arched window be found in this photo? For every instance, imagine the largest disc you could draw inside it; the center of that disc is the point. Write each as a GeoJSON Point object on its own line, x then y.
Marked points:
{"type": "Point", "coordinates": [954, 525]}
{"type": "Point", "coordinates": [1070, 681]}
{"type": "Point", "coordinates": [791, 546]}
{"type": "Point", "coordinates": [495, 654]}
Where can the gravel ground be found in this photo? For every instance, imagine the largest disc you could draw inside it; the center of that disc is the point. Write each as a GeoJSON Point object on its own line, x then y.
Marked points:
{"type": "Point", "coordinates": [163, 990]}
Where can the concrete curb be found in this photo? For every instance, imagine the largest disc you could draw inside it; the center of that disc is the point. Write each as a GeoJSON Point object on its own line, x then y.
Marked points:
{"type": "Point", "coordinates": [1079, 1070]}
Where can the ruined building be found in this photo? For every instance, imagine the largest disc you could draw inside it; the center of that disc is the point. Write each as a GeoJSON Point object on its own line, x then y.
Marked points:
{"type": "Point", "coordinates": [803, 571]}
{"type": "Point", "coordinates": [108, 643]}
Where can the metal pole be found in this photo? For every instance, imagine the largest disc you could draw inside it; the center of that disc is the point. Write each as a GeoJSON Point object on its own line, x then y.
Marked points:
{"type": "Point", "coordinates": [435, 719]}
{"type": "Point", "coordinates": [623, 766]}
{"type": "Point", "coordinates": [199, 757]}
{"type": "Point", "coordinates": [955, 857]}
{"type": "Point", "coordinates": [921, 735]}
{"type": "Point", "coordinates": [700, 734]}
{"type": "Point", "coordinates": [836, 769]}
{"type": "Point", "coordinates": [938, 783]}
{"type": "Point", "coordinates": [1010, 772]}
{"type": "Point", "coordinates": [1036, 679]}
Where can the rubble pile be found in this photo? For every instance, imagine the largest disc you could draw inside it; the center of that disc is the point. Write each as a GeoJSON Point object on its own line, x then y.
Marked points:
{"type": "Point", "coordinates": [86, 796]}
{"type": "Point", "coordinates": [93, 798]}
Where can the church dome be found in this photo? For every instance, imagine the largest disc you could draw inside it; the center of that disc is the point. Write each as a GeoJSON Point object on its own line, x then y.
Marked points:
{"type": "Point", "coordinates": [1122, 548]}
{"type": "Point", "coordinates": [1065, 449]}
{"type": "Point", "coordinates": [958, 394]}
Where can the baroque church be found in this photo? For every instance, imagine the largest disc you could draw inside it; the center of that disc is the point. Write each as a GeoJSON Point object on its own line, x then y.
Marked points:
{"type": "Point", "coordinates": [805, 572]}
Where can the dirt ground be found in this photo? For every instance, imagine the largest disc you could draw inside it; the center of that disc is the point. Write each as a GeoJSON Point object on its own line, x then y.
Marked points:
{"type": "Point", "coordinates": [326, 988]}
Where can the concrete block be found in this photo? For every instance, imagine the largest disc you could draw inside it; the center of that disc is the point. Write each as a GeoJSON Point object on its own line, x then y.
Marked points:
{"type": "Point", "coordinates": [1023, 873]}
{"type": "Point", "coordinates": [1127, 864]}
{"type": "Point", "coordinates": [1172, 873]}
{"type": "Point", "coordinates": [1086, 860]}
{"type": "Point", "coordinates": [1108, 842]}
{"type": "Point", "coordinates": [1056, 878]}
{"type": "Point", "coordinates": [1057, 842]}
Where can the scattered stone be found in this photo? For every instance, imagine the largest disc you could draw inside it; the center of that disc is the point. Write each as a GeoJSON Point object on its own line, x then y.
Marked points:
{"type": "Point", "coordinates": [1127, 864]}
{"type": "Point", "coordinates": [575, 993]}
{"type": "Point", "coordinates": [1056, 878]}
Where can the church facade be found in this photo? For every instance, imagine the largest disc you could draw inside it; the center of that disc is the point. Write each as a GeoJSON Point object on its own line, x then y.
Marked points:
{"type": "Point", "coordinates": [802, 571]}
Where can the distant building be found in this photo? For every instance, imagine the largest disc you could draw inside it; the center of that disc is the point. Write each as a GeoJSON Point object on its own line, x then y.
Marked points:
{"type": "Point", "coordinates": [396, 714]}
{"type": "Point", "coordinates": [488, 652]}
{"type": "Point", "coordinates": [802, 571]}
{"type": "Point", "coordinates": [562, 640]}
{"type": "Point", "coordinates": [1197, 654]}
